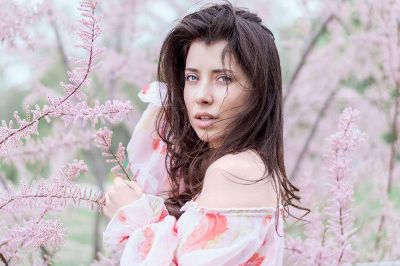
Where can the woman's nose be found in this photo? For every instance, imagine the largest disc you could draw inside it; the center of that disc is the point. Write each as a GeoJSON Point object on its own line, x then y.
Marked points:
{"type": "Point", "coordinates": [204, 93]}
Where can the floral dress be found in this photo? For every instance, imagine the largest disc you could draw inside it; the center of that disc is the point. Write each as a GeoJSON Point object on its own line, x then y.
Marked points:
{"type": "Point", "coordinates": [145, 234]}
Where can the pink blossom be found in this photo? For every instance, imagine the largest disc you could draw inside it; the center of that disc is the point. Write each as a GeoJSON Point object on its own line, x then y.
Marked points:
{"type": "Point", "coordinates": [30, 236]}
{"type": "Point", "coordinates": [329, 233]}
{"type": "Point", "coordinates": [73, 170]}
{"type": "Point", "coordinates": [89, 31]}
{"type": "Point", "coordinates": [113, 111]}
{"type": "Point", "coordinates": [103, 141]}
{"type": "Point", "coordinates": [51, 193]}
{"type": "Point", "coordinates": [40, 150]}
{"type": "Point", "coordinates": [103, 138]}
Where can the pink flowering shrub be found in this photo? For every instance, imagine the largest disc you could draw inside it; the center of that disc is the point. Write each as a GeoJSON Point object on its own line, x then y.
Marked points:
{"type": "Point", "coordinates": [334, 54]}
{"type": "Point", "coordinates": [330, 231]}
{"type": "Point", "coordinates": [24, 207]}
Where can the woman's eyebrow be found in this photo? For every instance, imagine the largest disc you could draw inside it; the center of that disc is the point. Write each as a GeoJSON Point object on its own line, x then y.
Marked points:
{"type": "Point", "coordinates": [219, 70]}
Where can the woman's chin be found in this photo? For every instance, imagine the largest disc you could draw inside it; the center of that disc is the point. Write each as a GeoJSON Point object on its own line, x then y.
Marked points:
{"type": "Point", "coordinates": [212, 141]}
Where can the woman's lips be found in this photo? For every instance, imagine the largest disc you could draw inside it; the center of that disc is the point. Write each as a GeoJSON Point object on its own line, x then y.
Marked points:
{"type": "Point", "coordinates": [204, 123]}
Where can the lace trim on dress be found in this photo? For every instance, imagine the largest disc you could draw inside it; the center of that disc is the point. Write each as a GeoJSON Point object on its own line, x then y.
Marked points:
{"type": "Point", "coordinates": [246, 211]}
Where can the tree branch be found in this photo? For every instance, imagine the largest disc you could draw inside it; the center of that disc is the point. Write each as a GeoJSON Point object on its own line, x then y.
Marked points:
{"type": "Point", "coordinates": [314, 128]}
{"type": "Point", "coordinates": [309, 47]}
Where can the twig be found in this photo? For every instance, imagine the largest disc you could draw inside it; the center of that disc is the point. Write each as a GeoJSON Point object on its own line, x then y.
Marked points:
{"type": "Point", "coordinates": [83, 197]}
{"type": "Point", "coordinates": [314, 128]}
{"type": "Point", "coordinates": [60, 45]}
{"type": "Point", "coordinates": [391, 162]}
{"type": "Point", "coordinates": [309, 47]}
{"type": "Point", "coordinates": [3, 259]}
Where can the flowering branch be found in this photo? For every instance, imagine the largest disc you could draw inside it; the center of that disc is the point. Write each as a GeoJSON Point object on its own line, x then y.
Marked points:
{"type": "Point", "coordinates": [32, 235]}
{"type": "Point", "coordinates": [103, 141]}
{"type": "Point", "coordinates": [310, 46]}
{"type": "Point", "coordinates": [54, 193]}
{"type": "Point", "coordinates": [297, 166]}
{"type": "Point", "coordinates": [328, 243]}
{"type": "Point", "coordinates": [113, 111]}
{"type": "Point", "coordinates": [45, 196]}
{"type": "Point", "coordinates": [40, 150]}
{"type": "Point", "coordinates": [14, 19]}
{"type": "Point", "coordinates": [338, 210]}
{"type": "Point", "coordinates": [11, 137]}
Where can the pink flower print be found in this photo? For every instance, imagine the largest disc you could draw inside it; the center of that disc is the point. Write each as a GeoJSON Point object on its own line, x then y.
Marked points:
{"type": "Point", "coordinates": [267, 219]}
{"type": "Point", "coordinates": [155, 144]}
{"type": "Point", "coordinates": [211, 226]}
{"type": "Point", "coordinates": [174, 261]}
{"type": "Point", "coordinates": [175, 229]}
{"type": "Point", "coordinates": [145, 89]}
{"type": "Point", "coordinates": [164, 150]}
{"type": "Point", "coordinates": [163, 214]}
{"type": "Point", "coordinates": [121, 217]}
{"type": "Point", "coordinates": [264, 242]}
{"type": "Point", "coordinates": [145, 246]}
{"type": "Point", "coordinates": [123, 238]}
{"type": "Point", "coordinates": [255, 260]}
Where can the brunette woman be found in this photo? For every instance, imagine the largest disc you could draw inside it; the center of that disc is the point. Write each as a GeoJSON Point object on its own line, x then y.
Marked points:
{"type": "Point", "coordinates": [211, 187]}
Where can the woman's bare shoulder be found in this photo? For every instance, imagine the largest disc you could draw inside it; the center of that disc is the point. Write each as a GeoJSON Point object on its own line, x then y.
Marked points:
{"type": "Point", "coordinates": [247, 164]}
{"type": "Point", "coordinates": [229, 182]}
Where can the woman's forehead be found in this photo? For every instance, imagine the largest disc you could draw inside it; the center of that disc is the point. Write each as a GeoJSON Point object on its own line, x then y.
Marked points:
{"type": "Point", "coordinates": [203, 56]}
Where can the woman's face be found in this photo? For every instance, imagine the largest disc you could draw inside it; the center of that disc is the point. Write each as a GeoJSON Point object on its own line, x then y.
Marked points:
{"type": "Point", "coordinates": [213, 95]}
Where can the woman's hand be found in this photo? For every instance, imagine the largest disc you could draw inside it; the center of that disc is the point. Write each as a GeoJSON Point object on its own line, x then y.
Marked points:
{"type": "Point", "coordinates": [121, 193]}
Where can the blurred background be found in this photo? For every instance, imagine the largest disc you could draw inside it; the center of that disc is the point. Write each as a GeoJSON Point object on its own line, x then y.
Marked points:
{"type": "Point", "coordinates": [334, 54]}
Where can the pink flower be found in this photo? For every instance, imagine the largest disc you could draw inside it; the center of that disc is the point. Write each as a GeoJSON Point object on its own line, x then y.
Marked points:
{"type": "Point", "coordinates": [145, 246]}
{"type": "Point", "coordinates": [255, 260]}
{"type": "Point", "coordinates": [175, 229]}
{"type": "Point", "coordinates": [164, 213]}
{"type": "Point", "coordinates": [103, 138]}
{"type": "Point", "coordinates": [123, 238]}
{"type": "Point", "coordinates": [73, 170]}
{"type": "Point", "coordinates": [155, 144]}
{"type": "Point", "coordinates": [267, 219]}
{"type": "Point", "coordinates": [145, 90]}
{"type": "Point", "coordinates": [122, 217]}
{"type": "Point", "coordinates": [210, 227]}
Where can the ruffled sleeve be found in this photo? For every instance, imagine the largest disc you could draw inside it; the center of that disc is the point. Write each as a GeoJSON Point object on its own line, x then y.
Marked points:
{"type": "Point", "coordinates": [143, 232]}
{"type": "Point", "coordinates": [146, 151]}
{"type": "Point", "coordinates": [148, 235]}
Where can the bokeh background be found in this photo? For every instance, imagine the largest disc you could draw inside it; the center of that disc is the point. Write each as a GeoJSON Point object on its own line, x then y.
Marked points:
{"type": "Point", "coordinates": [334, 54]}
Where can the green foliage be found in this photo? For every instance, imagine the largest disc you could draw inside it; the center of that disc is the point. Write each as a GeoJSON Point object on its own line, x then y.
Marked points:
{"type": "Point", "coordinates": [132, 93]}
{"type": "Point", "coordinates": [395, 93]}
{"type": "Point", "coordinates": [55, 74]}
{"type": "Point", "coordinates": [78, 248]}
{"type": "Point", "coordinates": [9, 171]}
{"type": "Point", "coordinates": [389, 137]}
{"type": "Point", "coordinates": [361, 86]}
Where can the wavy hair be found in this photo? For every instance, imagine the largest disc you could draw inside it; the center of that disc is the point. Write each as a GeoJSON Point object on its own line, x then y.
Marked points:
{"type": "Point", "coordinates": [259, 127]}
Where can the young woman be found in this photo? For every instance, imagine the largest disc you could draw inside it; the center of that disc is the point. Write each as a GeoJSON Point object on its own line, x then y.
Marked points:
{"type": "Point", "coordinates": [211, 186]}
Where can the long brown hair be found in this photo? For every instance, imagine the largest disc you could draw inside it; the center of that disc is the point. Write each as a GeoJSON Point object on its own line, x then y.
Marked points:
{"type": "Point", "coordinates": [259, 127]}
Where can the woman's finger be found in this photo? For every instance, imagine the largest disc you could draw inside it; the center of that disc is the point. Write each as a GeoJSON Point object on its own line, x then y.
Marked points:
{"type": "Point", "coordinates": [118, 181]}
{"type": "Point", "coordinates": [112, 192]}
{"type": "Point", "coordinates": [134, 186]}
{"type": "Point", "coordinates": [106, 212]}
{"type": "Point", "coordinates": [106, 199]}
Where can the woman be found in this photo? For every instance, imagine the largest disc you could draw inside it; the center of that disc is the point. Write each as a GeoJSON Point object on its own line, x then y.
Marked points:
{"type": "Point", "coordinates": [219, 195]}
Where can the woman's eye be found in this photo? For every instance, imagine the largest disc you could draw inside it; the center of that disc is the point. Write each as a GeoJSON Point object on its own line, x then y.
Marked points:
{"type": "Point", "coordinates": [225, 79]}
{"type": "Point", "coordinates": [191, 77]}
